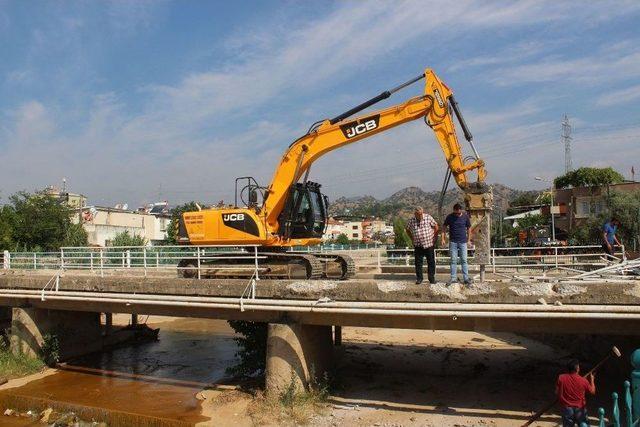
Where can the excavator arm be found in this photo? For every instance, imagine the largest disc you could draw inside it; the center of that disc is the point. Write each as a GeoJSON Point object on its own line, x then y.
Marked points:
{"type": "Point", "coordinates": [435, 106]}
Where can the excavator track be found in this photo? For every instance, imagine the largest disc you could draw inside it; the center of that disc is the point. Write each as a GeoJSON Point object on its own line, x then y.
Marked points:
{"type": "Point", "coordinates": [272, 265]}
{"type": "Point", "coordinates": [345, 262]}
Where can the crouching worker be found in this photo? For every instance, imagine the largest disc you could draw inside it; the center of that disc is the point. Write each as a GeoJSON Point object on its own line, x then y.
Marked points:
{"type": "Point", "coordinates": [571, 389]}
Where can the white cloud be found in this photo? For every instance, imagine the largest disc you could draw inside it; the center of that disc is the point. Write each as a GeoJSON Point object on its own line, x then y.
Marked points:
{"type": "Point", "coordinates": [596, 69]}
{"type": "Point", "coordinates": [618, 97]}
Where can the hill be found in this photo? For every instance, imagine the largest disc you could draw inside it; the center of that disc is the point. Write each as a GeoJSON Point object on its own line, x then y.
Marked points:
{"type": "Point", "coordinates": [403, 202]}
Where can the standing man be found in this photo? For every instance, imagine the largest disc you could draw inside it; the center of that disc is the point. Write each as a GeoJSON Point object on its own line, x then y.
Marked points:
{"type": "Point", "coordinates": [609, 235]}
{"type": "Point", "coordinates": [458, 224]}
{"type": "Point", "coordinates": [571, 389]}
{"type": "Point", "coordinates": [422, 229]}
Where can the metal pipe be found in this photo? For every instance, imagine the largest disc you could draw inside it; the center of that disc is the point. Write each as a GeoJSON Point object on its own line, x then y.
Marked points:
{"type": "Point", "coordinates": [458, 307]}
{"type": "Point", "coordinates": [384, 95]}
{"type": "Point", "coordinates": [418, 313]}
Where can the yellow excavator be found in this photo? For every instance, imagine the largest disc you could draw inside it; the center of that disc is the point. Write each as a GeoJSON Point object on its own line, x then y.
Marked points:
{"type": "Point", "coordinates": [293, 211]}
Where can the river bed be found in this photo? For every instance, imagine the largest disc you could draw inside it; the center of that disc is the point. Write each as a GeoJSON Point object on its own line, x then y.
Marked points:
{"type": "Point", "coordinates": [159, 379]}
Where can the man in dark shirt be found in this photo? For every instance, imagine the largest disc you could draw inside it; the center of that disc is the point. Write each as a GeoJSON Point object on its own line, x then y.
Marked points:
{"type": "Point", "coordinates": [571, 389]}
{"type": "Point", "coordinates": [458, 225]}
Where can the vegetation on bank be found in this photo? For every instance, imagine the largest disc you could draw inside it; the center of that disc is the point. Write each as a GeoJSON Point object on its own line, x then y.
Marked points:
{"type": "Point", "coordinates": [294, 406]}
{"type": "Point", "coordinates": [17, 365]}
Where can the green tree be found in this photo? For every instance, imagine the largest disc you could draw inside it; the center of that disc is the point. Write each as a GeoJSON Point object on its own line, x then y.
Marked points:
{"type": "Point", "coordinates": [6, 228]}
{"type": "Point", "coordinates": [401, 239]}
{"type": "Point", "coordinates": [342, 239]}
{"type": "Point", "coordinates": [588, 177]}
{"type": "Point", "coordinates": [176, 213]}
{"type": "Point", "coordinates": [625, 206]}
{"type": "Point", "coordinates": [126, 239]}
{"type": "Point", "coordinates": [589, 233]}
{"type": "Point", "coordinates": [76, 236]}
{"type": "Point", "coordinates": [38, 221]}
{"type": "Point", "coordinates": [252, 348]}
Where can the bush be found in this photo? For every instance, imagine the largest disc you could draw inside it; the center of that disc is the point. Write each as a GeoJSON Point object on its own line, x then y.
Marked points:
{"type": "Point", "coordinates": [50, 350]}
{"type": "Point", "coordinates": [126, 239]}
{"type": "Point", "coordinates": [252, 351]}
{"type": "Point", "coordinates": [402, 239]}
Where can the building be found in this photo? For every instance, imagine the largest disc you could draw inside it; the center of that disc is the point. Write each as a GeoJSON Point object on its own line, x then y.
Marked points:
{"type": "Point", "coordinates": [574, 206]}
{"type": "Point", "coordinates": [72, 200]}
{"type": "Point", "coordinates": [351, 229]}
{"type": "Point", "coordinates": [103, 224]}
{"type": "Point", "coordinates": [376, 229]}
{"type": "Point", "coordinates": [357, 230]}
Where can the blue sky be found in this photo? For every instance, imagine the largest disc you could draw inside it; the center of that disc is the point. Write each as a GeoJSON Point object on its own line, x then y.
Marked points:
{"type": "Point", "coordinates": [135, 101]}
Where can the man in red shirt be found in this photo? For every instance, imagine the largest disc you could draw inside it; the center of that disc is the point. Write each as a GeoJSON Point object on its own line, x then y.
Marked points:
{"type": "Point", "coordinates": [571, 389]}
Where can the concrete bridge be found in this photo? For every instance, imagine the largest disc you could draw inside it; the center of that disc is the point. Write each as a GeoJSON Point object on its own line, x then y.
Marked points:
{"type": "Point", "coordinates": [306, 316]}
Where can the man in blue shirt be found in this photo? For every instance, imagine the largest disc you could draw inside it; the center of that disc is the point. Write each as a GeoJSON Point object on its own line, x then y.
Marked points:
{"type": "Point", "coordinates": [458, 225]}
{"type": "Point", "coordinates": [609, 235]}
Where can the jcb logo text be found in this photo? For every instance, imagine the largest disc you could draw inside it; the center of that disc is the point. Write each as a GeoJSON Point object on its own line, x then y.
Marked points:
{"type": "Point", "coordinates": [367, 124]}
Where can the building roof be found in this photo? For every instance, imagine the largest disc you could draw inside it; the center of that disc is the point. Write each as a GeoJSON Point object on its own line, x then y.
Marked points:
{"type": "Point", "coordinates": [523, 214]}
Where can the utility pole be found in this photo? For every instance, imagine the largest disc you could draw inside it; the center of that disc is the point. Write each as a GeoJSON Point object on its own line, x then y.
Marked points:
{"type": "Point", "coordinates": [566, 140]}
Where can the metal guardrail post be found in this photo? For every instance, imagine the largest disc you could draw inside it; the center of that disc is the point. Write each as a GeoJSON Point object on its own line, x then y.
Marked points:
{"type": "Point", "coordinates": [101, 263]}
{"type": "Point", "coordinates": [61, 259]}
{"type": "Point", "coordinates": [128, 253]}
{"type": "Point", "coordinates": [257, 277]}
{"type": "Point", "coordinates": [493, 259]}
{"type": "Point", "coordinates": [635, 383]}
{"type": "Point", "coordinates": [556, 255]}
{"type": "Point", "coordinates": [57, 282]}
{"type": "Point", "coordinates": [615, 411]}
{"type": "Point", "coordinates": [627, 403]}
{"type": "Point", "coordinates": [6, 260]}
{"type": "Point", "coordinates": [199, 275]}
{"type": "Point", "coordinates": [35, 261]}
{"type": "Point", "coordinates": [157, 260]}
{"type": "Point", "coordinates": [144, 260]}
{"type": "Point", "coordinates": [601, 422]}
{"type": "Point", "coordinates": [379, 262]}
{"type": "Point", "coordinates": [91, 261]}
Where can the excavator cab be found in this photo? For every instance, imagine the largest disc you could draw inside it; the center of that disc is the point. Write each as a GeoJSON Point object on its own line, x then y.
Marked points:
{"type": "Point", "coordinates": [305, 212]}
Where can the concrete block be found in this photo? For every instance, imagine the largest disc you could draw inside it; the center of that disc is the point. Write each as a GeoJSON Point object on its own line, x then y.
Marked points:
{"type": "Point", "coordinates": [298, 353]}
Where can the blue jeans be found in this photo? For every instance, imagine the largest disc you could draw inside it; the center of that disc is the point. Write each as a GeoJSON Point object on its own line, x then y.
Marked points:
{"type": "Point", "coordinates": [454, 248]}
{"type": "Point", "coordinates": [574, 416]}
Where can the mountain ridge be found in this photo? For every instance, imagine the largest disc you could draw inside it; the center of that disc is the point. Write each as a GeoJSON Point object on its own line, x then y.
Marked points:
{"type": "Point", "coordinates": [403, 201]}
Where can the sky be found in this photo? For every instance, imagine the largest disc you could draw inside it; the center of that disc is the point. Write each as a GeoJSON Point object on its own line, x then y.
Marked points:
{"type": "Point", "coordinates": [141, 101]}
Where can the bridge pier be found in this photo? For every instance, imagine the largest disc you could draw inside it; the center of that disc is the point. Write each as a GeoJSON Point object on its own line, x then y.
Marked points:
{"type": "Point", "coordinates": [299, 353]}
{"type": "Point", "coordinates": [77, 332]}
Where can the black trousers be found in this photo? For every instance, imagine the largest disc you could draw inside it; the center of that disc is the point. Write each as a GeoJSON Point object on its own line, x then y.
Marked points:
{"type": "Point", "coordinates": [420, 253]}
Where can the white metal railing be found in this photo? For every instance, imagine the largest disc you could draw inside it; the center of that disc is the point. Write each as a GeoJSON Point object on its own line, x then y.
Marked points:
{"type": "Point", "coordinates": [139, 258]}
{"type": "Point", "coordinates": [527, 257]}
{"type": "Point", "coordinates": [146, 259]}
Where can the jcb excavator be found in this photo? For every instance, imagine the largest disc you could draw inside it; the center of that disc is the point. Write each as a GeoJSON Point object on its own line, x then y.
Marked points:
{"type": "Point", "coordinates": [293, 211]}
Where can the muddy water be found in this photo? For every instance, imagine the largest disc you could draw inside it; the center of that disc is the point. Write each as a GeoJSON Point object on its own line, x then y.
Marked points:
{"type": "Point", "coordinates": [159, 379]}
